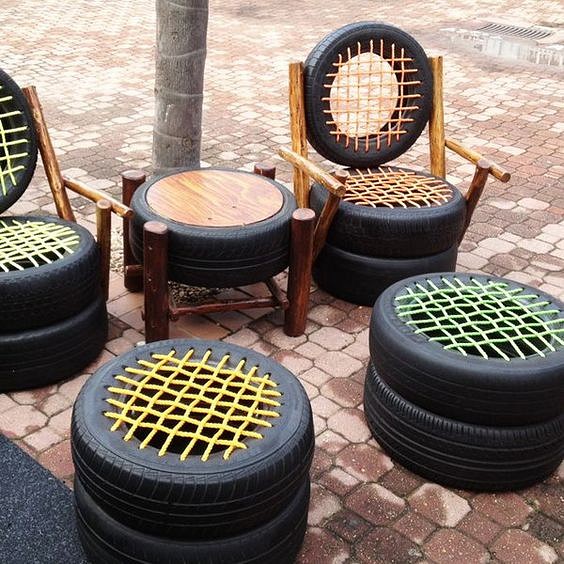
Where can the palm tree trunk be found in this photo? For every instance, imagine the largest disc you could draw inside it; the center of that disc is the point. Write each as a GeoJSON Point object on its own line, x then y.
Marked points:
{"type": "Point", "coordinates": [179, 83]}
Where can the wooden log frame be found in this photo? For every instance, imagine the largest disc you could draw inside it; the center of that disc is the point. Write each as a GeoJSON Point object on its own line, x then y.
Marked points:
{"type": "Point", "coordinates": [159, 307]}
{"type": "Point", "coordinates": [298, 131]}
{"type": "Point", "coordinates": [59, 184]}
{"type": "Point", "coordinates": [334, 184]}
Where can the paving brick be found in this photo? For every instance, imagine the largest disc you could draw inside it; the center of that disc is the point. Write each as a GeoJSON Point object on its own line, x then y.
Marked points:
{"type": "Point", "coordinates": [20, 421]}
{"type": "Point", "coordinates": [439, 505]}
{"type": "Point", "coordinates": [348, 525]}
{"type": "Point", "coordinates": [385, 546]}
{"type": "Point", "coordinates": [54, 403]}
{"type": "Point", "coordinates": [479, 527]}
{"type": "Point", "coordinates": [515, 545]}
{"type": "Point", "coordinates": [42, 439]}
{"type": "Point", "coordinates": [345, 392]}
{"type": "Point", "coordinates": [323, 504]}
{"type": "Point", "coordinates": [331, 442]}
{"type": "Point", "coordinates": [350, 424]}
{"type": "Point", "coordinates": [321, 546]}
{"type": "Point", "coordinates": [364, 462]}
{"type": "Point", "coordinates": [338, 364]}
{"type": "Point", "coordinates": [331, 338]}
{"type": "Point", "coordinates": [338, 481]}
{"type": "Point", "coordinates": [507, 509]}
{"type": "Point", "coordinates": [414, 527]}
{"type": "Point", "coordinates": [448, 546]}
{"type": "Point", "coordinates": [294, 362]}
{"type": "Point", "coordinates": [375, 504]}
{"type": "Point", "coordinates": [58, 460]}
{"type": "Point", "coordinates": [401, 481]}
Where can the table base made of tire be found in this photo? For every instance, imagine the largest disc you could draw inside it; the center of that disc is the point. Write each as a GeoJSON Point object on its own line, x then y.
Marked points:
{"type": "Point", "coordinates": [192, 451]}
{"type": "Point", "coordinates": [216, 228]}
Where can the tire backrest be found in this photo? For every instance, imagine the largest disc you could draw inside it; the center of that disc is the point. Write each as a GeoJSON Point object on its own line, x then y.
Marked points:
{"type": "Point", "coordinates": [18, 142]}
{"type": "Point", "coordinates": [368, 94]}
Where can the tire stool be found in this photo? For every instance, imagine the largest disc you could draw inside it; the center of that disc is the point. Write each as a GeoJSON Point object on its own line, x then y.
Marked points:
{"type": "Point", "coordinates": [466, 380]}
{"type": "Point", "coordinates": [200, 446]}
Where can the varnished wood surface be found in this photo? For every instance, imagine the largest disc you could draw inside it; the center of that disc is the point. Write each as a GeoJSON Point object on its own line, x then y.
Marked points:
{"type": "Point", "coordinates": [214, 198]}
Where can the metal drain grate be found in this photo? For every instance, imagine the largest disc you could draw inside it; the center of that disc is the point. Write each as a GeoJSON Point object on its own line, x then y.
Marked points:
{"type": "Point", "coordinates": [515, 31]}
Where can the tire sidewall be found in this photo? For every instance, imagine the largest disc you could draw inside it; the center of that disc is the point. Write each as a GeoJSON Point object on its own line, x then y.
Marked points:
{"type": "Point", "coordinates": [319, 63]}
{"type": "Point", "coordinates": [95, 427]}
{"type": "Point", "coordinates": [424, 356]}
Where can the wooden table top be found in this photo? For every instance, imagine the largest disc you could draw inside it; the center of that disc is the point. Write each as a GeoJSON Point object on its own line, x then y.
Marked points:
{"type": "Point", "coordinates": [215, 198]}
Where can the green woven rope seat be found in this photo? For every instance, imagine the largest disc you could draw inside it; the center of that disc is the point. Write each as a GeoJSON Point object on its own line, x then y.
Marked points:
{"type": "Point", "coordinates": [482, 317]}
{"type": "Point", "coordinates": [18, 143]}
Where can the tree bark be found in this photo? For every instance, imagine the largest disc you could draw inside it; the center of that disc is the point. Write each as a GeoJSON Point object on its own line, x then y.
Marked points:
{"type": "Point", "coordinates": [179, 83]}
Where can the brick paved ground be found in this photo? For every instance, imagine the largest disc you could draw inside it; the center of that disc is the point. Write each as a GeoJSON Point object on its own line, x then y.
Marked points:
{"type": "Point", "coordinates": [92, 62]}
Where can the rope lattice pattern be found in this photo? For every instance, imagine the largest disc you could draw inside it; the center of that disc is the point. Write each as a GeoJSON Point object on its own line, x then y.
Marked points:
{"type": "Point", "coordinates": [482, 318]}
{"type": "Point", "coordinates": [190, 406]}
{"type": "Point", "coordinates": [392, 188]}
{"type": "Point", "coordinates": [28, 244]}
{"type": "Point", "coordinates": [13, 143]}
{"type": "Point", "coordinates": [371, 93]}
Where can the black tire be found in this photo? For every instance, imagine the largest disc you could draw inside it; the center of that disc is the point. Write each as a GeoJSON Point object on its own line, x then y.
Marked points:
{"type": "Point", "coordinates": [219, 257]}
{"type": "Point", "coordinates": [38, 296]}
{"type": "Point", "coordinates": [192, 498]}
{"type": "Point", "coordinates": [320, 63]}
{"type": "Point", "coordinates": [394, 232]}
{"type": "Point", "coordinates": [15, 186]}
{"type": "Point", "coordinates": [492, 391]}
{"type": "Point", "coordinates": [460, 455]}
{"type": "Point", "coordinates": [46, 355]}
{"type": "Point", "coordinates": [107, 541]}
{"type": "Point", "coordinates": [360, 280]}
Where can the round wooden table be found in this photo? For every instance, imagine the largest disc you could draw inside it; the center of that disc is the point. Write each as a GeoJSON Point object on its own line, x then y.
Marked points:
{"type": "Point", "coordinates": [215, 198]}
{"type": "Point", "coordinates": [217, 228]}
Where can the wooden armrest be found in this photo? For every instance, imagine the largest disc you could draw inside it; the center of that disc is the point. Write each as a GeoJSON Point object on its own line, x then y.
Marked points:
{"type": "Point", "coordinates": [311, 169]}
{"type": "Point", "coordinates": [97, 195]}
{"type": "Point", "coordinates": [473, 156]}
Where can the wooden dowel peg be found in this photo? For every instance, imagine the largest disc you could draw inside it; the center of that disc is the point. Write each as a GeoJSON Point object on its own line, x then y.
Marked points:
{"type": "Point", "coordinates": [299, 273]}
{"type": "Point", "coordinates": [155, 258]}
{"type": "Point", "coordinates": [104, 238]}
{"type": "Point", "coordinates": [265, 169]}
{"type": "Point", "coordinates": [132, 279]}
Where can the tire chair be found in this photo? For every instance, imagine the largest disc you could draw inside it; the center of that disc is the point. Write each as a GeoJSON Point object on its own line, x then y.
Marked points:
{"type": "Point", "coordinates": [53, 274]}
{"type": "Point", "coordinates": [362, 98]}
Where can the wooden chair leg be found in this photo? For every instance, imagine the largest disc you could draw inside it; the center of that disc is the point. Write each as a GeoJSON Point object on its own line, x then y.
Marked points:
{"type": "Point", "coordinates": [299, 274]}
{"type": "Point", "coordinates": [104, 238]}
{"type": "Point", "coordinates": [475, 191]}
{"type": "Point", "coordinates": [155, 258]}
{"type": "Point", "coordinates": [132, 277]}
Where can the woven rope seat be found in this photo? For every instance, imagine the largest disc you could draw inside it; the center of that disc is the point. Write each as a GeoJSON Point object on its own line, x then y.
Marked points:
{"type": "Point", "coordinates": [394, 187]}
{"type": "Point", "coordinates": [18, 144]}
{"type": "Point", "coordinates": [186, 404]}
{"type": "Point", "coordinates": [486, 318]}
{"type": "Point", "coordinates": [190, 438]}
{"type": "Point", "coordinates": [27, 243]}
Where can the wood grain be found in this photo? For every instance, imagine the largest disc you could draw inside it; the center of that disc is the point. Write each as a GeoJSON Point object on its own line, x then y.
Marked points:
{"type": "Point", "coordinates": [437, 120]}
{"type": "Point", "coordinates": [215, 198]}
{"type": "Point", "coordinates": [473, 156]}
{"type": "Point", "coordinates": [298, 130]}
{"type": "Point", "coordinates": [50, 164]}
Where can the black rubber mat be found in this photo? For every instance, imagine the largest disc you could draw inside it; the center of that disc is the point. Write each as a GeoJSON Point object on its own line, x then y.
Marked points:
{"type": "Point", "coordinates": [37, 519]}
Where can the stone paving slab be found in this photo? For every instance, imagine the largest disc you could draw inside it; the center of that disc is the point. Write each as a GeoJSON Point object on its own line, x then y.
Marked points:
{"type": "Point", "coordinates": [92, 63]}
